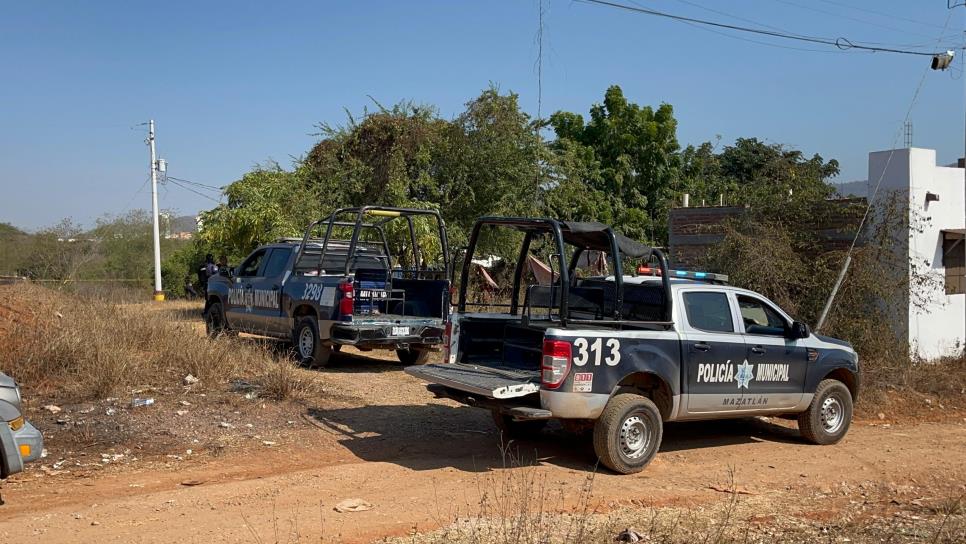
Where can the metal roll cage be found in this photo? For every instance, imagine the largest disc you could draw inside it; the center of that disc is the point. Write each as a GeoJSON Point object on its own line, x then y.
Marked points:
{"type": "Point", "coordinates": [536, 225]}
{"type": "Point", "coordinates": [387, 214]}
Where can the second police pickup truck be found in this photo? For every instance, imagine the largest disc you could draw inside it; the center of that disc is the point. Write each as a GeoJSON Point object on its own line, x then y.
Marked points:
{"type": "Point", "coordinates": [625, 353]}
{"type": "Point", "coordinates": [338, 286]}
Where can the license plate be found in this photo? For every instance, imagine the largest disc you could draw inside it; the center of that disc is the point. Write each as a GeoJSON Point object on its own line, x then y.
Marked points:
{"type": "Point", "coordinates": [400, 331]}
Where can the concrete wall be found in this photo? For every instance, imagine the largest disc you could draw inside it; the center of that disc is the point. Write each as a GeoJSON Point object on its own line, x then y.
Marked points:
{"type": "Point", "coordinates": [935, 322]}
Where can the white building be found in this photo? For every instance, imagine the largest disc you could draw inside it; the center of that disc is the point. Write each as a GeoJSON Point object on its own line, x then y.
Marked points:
{"type": "Point", "coordinates": [933, 198]}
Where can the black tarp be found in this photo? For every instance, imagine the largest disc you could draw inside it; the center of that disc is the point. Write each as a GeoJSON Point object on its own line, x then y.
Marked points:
{"type": "Point", "coordinates": [593, 235]}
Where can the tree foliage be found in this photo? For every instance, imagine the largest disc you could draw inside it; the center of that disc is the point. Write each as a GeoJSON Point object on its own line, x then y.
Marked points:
{"type": "Point", "coordinates": [630, 160]}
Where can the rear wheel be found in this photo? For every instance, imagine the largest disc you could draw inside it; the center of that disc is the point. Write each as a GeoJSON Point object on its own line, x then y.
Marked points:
{"type": "Point", "coordinates": [308, 347]}
{"type": "Point", "coordinates": [628, 433]}
{"type": "Point", "coordinates": [215, 324]}
{"type": "Point", "coordinates": [829, 415]}
{"type": "Point", "coordinates": [412, 356]}
{"type": "Point", "coordinates": [511, 428]}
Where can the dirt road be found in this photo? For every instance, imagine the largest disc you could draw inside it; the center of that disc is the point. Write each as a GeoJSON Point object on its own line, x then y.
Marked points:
{"type": "Point", "coordinates": [422, 462]}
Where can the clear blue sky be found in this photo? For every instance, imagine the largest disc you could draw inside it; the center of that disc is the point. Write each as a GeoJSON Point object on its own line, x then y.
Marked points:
{"type": "Point", "coordinates": [232, 84]}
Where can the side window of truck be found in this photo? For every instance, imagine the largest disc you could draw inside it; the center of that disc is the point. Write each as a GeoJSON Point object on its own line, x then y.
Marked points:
{"type": "Point", "coordinates": [760, 318]}
{"type": "Point", "coordinates": [708, 311]}
{"type": "Point", "coordinates": [276, 262]}
{"type": "Point", "coordinates": [250, 267]}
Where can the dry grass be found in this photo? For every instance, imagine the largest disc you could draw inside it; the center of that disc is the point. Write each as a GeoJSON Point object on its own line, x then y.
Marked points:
{"type": "Point", "coordinates": [516, 507]}
{"type": "Point", "coordinates": [888, 380]}
{"type": "Point", "coordinates": [82, 347]}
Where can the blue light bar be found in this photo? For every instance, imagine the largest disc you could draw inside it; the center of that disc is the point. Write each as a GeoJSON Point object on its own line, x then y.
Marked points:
{"type": "Point", "coordinates": [704, 276]}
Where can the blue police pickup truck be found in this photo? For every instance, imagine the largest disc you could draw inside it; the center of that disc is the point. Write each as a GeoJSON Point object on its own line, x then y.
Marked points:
{"type": "Point", "coordinates": [342, 284]}
{"type": "Point", "coordinates": [622, 354]}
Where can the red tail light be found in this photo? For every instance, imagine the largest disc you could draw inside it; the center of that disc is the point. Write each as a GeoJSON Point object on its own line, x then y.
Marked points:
{"type": "Point", "coordinates": [447, 337]}
{"type": "Point", "coordinates": [346, 303]}
{"type": "Point", "coordinates": [556, 363]}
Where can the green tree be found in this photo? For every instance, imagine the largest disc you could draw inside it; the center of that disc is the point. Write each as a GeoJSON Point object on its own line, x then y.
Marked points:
{"type": "Point", "coordinates": [631, 158]}
{"type": "Point", "coordinates": [265, 204]}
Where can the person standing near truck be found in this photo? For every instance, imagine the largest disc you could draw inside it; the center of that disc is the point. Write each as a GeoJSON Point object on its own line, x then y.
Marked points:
{"type": "Point", "coordinates": [206, 271]}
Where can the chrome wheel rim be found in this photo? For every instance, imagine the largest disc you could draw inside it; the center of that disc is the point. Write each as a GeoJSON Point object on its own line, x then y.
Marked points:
{"type": "Point", "coordinates": [833, 415]}
{"type": "Point", "coordinates": [306, 342]}
{"type": "Point", "coordinates": [635, 437]}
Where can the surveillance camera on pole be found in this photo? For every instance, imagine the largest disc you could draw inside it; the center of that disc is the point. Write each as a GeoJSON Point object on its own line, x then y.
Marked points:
{"type": "Point", "coordinates": [943, 60]}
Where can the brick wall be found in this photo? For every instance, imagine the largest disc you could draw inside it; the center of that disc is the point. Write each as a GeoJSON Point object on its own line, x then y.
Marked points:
{"type": "Point", "coordinates": [693, 231]}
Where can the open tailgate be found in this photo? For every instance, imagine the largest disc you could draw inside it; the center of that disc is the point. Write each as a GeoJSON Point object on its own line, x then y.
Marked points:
{"type": "Point", "coordinates": [497, 383]}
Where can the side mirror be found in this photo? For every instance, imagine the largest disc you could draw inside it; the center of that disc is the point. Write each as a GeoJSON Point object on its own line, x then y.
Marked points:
{"type": "Point", "coordinates": [799, 330]}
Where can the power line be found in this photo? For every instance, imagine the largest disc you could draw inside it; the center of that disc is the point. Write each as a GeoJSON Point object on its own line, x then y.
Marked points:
{"type": "Point", "coordinates": [740, 38]}
{"type": "Point", "coordinates": [540, 65]}
{"type": "Point", "coordinates": [912, 104]}
{"type": "Point", "coordinates": [130, 201]}
{"type": "Point", "coordinates": [850, 18]}
{"type": "Point", "coordinates": [195, 183]}
{"type": "Point", "coordinates": [841, 42]}
{"type": "Point", "coordinates": [881, 13]}
{"type": "Point", "coordinates": [758, 23]}
{"type": "Point", "coordinates": [868, 206]}
{"type": "Point", "coordinates": [199, 193]}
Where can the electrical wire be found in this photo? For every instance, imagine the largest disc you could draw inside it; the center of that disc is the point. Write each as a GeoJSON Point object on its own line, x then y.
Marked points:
{"type": "Point", "coordinates": [127, 206]}
{"type": "Point", "coordinates": [895, 141]}
{"type": "Point", "coordinates": [841, 42]}
{"type": "Point", "coordinates": [856, 19]}
{"type": "Point", "coordinates": [741, 38]}
{"type": "Point", "coordinates": [880, 13]}
{"type": "Point", "coordinates": [764, 25]}
{"type": "Point", "coordinates": [187, 188]}
{"type": "Point", "coordinates": [195, 183]}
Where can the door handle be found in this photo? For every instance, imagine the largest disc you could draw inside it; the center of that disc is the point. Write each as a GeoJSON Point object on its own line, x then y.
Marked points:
{"type": "Point", "coordinates": [701, 346]}
{"type": "Point", "coordinates": [758, 350]}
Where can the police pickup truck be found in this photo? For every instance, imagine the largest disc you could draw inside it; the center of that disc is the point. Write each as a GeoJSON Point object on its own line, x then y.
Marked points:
{"type": "Point", "coordinates": [339, 285]}
{"type": "Point", "coordinates": [625, 353]}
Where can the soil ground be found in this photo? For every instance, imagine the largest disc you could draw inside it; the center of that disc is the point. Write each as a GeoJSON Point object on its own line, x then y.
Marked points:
{"type": "Point", "coordinates": [230, 467]}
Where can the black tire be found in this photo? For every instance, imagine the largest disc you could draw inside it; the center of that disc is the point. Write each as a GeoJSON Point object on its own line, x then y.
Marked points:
{"type": "Point", "coordinates": [829, 415]}
{"type": "Point", "coordinates": [628, 419]}
{"type": "Point", "coordinates": [309, 349]}
{"type": "Point", "coordinates": [412, 356]}
{"type": "Point", "coordinates": [215, 323]}
{"type": "Point", "coordinates": [511, 428]}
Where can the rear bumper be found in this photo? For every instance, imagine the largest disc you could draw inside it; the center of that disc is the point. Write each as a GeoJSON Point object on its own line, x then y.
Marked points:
{"type": "Point", "coordinates": [381, 334]}
{"type": "Point", "coordinates": [19, 447]}
{"type": "Point", "coordinates": [551, 405]}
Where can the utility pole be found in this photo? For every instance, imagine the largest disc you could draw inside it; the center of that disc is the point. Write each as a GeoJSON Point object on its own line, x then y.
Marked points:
{"type": "Point", "coordinates": [158, 293]}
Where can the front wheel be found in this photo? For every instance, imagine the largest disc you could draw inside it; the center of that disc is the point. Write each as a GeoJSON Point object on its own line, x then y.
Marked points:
{"type": "Point", "coordinates": [308, 347]}
{"type": "Point", "coordinates": [215, 323]}
{"type": "Point", "coordinates": [829, 415]}
{"type": "Point", "coordinates": [628, 433]}
{"type": "Point", "coordinates": [412, 356]}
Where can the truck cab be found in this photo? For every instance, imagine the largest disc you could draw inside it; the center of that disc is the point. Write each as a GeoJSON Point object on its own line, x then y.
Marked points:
{"type": "Point", "coordinates": [627, 346]}
{"type": "Point", "coordinates": [341, 284]}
